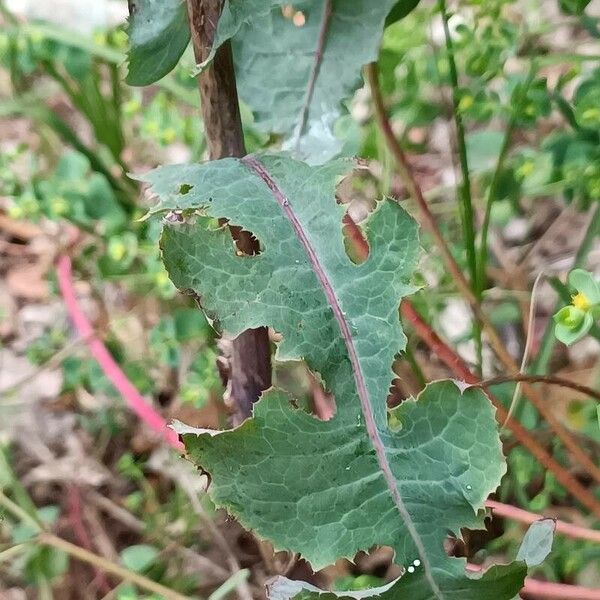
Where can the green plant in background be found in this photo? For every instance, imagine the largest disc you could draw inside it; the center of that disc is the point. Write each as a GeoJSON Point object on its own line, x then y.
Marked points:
{"type": "Point", "coordinates": [573, 322]}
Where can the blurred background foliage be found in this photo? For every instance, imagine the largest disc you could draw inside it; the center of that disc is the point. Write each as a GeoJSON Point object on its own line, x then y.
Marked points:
{"type": "Point", "coordinates": [71, 455]}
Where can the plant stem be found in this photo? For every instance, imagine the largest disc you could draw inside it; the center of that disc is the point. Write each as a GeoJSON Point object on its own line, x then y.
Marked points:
{"type": "Point", "coordinates": [18, 512]}
{"type": "Point", "coordinates": [48, 539]}
{"type": "Point", "coordinates": [462, 284]}
{"type": "Point", "coordinates": [248, 356]}
{"type": "Point", "coordinates": [416, 368]}
{"type": "Point", "coordinates": [465, 198]}
{"type": "Point", "coordinates": [523, 516]}
{"type": "Point", "coordinates": [550, 380]}
{"type": "Point", "coordinates": [493, 188]}
{"type": "Point", "coordinates": [13, 551]}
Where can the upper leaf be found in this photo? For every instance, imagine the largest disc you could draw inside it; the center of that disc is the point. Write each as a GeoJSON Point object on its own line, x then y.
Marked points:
{"type": "Point", "coordinates": [158, 35]}
{"type": "Point", "coordinates": [329, 489]}
{"type": "Point", "coordinates": [296, 62]}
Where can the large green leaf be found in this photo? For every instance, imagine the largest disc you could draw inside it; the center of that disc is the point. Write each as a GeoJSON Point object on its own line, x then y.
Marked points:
{"type": "Point", "coordinates": [158, 35]}
{"type": "Point", "coordinates": [294, 73]}
{"type": "Point", "coordinates": [329, 489]}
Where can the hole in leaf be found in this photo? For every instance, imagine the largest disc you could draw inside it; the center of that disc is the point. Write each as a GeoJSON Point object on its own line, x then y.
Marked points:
{"type": "Point", "coordinates": [307, 387]}
{"type": "Point", "coordinates": [299, 19]}
{"type": "Point", "coordinates": [376, 566]}
{"type": "Point", "coordinates": [185, 188]}
{"type": "Point", "coordinates": [357, 246]}
{"type": "Point", "coordinates": [246, 243]}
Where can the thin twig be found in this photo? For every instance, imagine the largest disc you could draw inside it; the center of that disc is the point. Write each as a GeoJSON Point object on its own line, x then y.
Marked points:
{"type": "Point", "coordinates": [562, 527]}
{"type": "Point", "coordinates": [48, 539]}
{"type": "Point", "coordinates": [462, 284]}
{"type": "Point", "coordinates": [52, 363]}
{"type": "Point", "coordinates": [528, 341]}
{"type": "Point", "coordinates": [496, 177]}
{"type": "Point", "coordinates": [242, 588]}
{"type": "Point", "coordinates": [13, 551]}
{"type": "Point", "coordinates": [136, 402]}
{"type": "Point", "coordinates": [548, 379]}
{"type": "Point", "coordinates": [81, 533]}
{"type": "Point", "coordinates": [18, 512]}
{"type": "Point", "coordinates": [132, 522]}
{"type": "Point", "coordinates": [466, 202]}
{"type": "Point", "coordinates": [535, 589]}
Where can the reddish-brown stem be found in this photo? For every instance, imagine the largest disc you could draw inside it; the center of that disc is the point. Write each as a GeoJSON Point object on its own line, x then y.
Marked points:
{"type": "Point", "coordinates": [248, 369]}
{"type": "Point", "coordinates": [547, 379]}
{"type": "Point", "coordinates": [461, 370]}
{"type": "Point", "coordinates": [535, 589]}
{"type": "Point", "coordinates": [430, 225]}
{"type": "Point", "coordinates": [567, 529]}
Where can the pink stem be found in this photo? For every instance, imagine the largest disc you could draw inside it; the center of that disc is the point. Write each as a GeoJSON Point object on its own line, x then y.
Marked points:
{"type": "Point", "coordinates": [110, 368]}
{"type": "Point", "coordinates": [567, 529]}
{"type": "Point", "coordinates": [561, 591]}
{"type": "Point", "coordinates": [534, 589]}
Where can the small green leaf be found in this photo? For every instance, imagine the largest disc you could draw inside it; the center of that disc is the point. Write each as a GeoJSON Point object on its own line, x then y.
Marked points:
{"type": "Point", "coordinates": [584, 282]}
{"type": "Point", "coordinates": [483, 148]}
{"type": "Point", "coordinates": [139, 558]}
{"type": "Point", "coordinates": [570, 316]}
{"type": "Point", "coordinates": [570, 333]}
{"type": "Point", "coordinates": [401, 10]}
{"type": "Point", "coordinates": [158, 35]}
{"type": "Point", "coordinates": [573, 7]}
{"type": "Point", "coordinates": [537, 543]}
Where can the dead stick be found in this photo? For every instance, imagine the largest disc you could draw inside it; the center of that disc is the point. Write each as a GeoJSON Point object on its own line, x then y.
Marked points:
{"type": "Point", "coordinates": [248, 370]}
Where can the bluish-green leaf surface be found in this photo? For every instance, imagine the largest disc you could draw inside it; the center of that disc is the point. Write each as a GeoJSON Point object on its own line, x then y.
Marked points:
{"type": "Point", "coordinates": [327, 489]}
{"type": "Point", "coordinates": [158, 35]}
{"type": "Point", "coordinates": [297, 62]}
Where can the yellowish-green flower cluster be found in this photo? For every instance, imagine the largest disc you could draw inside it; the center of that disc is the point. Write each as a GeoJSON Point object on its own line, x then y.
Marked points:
{"type": "Point", "coordinates": [574, 321]}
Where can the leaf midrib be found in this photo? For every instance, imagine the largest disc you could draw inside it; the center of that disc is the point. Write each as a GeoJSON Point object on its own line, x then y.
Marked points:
{"type": "Point", "coordinates": [312, 81]}
{"type": "Point", "coordinates": [259, 170]}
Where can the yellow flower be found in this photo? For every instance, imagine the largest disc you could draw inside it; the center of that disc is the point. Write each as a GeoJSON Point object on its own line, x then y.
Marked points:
{"type": "Point", "coordinates": [581, 301]}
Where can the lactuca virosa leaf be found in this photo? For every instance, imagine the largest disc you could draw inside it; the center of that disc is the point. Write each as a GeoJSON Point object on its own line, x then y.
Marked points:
{"type": "Point", "coordinates": [329, 489]}
{"type": "Point", "coordinates": [158, 35]}
{"type": "Point", "coordinates": [296, 62]}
